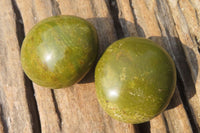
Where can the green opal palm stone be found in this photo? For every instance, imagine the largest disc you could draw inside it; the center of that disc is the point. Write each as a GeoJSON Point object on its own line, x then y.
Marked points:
{"type": "Point", "coordinates": [59, 51]}
{"type": "Point", "coordinates": [135, 80]}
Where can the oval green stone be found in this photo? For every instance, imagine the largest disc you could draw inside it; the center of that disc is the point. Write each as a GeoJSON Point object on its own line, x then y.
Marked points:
{"type": "Point", "coordinates": [59, 51]}
{"type": "Point", "coordinates": [135, 80]}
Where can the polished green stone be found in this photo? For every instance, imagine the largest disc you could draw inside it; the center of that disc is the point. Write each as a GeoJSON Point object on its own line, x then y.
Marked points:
{"type": "Point", "coordinates": [135, 80]}
{"type": "Point", "coordinates": [59, 51]}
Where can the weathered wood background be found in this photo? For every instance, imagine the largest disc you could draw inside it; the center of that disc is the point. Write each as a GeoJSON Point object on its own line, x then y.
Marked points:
{"type": "Point", "coordinates": [28, 108]}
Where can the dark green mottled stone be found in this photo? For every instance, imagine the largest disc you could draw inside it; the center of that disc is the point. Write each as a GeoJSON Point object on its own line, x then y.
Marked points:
{"type": "Point", "coordinates": [135, 80]}
{"type": "Point", "coordinates": [59, 51]}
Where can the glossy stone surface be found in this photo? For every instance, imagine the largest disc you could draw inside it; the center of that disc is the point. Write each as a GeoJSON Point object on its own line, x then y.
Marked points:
{"type": "Point", "coordinates": [59, 51]}
{"type": "Point", "coordinates": [135, 80]}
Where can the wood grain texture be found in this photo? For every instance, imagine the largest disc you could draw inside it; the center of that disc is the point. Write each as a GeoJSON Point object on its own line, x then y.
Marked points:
{"type": "Point", "coordinates": [173, 24]}
{"type": "Point", "coordinates": [14, 103]}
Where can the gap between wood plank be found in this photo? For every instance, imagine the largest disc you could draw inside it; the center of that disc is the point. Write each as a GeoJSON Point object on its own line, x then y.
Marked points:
{"type": "Point", "coordinates": [198, 43]}
{"type": "Point", "coordinates": [3, 120]}
{"type": "Point", "coordinates": [32, 105]}
{"type": "Point", "coordinates": [57, 109]}
{"type": "Point", "coordinates": [55, 8]}
{"type": "Point", "coordinates": [139, 29]}
{"type": "Point", "coordinates": [114, 14]}
{"type": "Point", "coordinates": [166, 124]}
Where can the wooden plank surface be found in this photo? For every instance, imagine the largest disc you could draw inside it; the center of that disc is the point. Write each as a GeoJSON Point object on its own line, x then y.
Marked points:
{"type": "Point", "coordinates": [27, 107]}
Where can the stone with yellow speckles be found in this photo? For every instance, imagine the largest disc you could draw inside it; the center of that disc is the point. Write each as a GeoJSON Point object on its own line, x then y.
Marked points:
{"type": "Point", "coordinates": [135, 80]}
